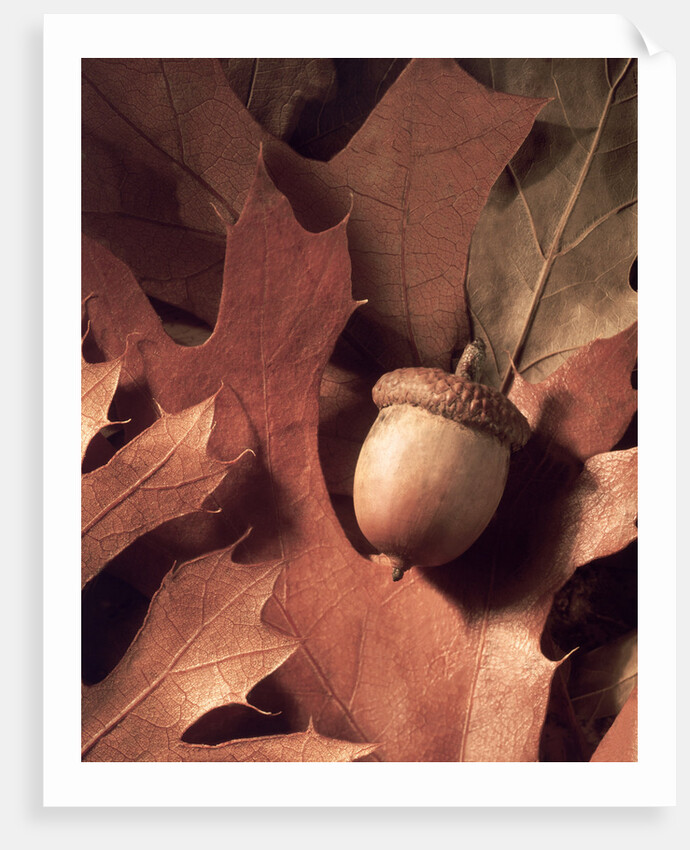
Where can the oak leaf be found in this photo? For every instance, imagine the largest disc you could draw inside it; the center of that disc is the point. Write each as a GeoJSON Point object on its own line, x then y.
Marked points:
{"type": "Point", "coordinates": [202, 645]}
{"type": "Point", "coordinates": [419, 169]}
{"type": "Point", "coordinates": [586, 413]}
{"type": "Point", "coordinates": [285, 300]}
{"type": "Point", "coordinates": [165, 139]}
{"type": "Point", "coordinates": [553, 250]}
{"type": "Point", "coordinates": [448, 665]}
{"type": "Point", "coordinates": [163, 473]}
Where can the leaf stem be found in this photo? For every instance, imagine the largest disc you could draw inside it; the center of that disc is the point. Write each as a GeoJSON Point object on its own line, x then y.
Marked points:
{"type": "Point", "coordinates": [471, 364]}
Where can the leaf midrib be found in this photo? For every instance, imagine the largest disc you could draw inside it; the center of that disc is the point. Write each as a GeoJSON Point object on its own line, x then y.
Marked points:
{"type": "Point", "coordinates": [554, 250]}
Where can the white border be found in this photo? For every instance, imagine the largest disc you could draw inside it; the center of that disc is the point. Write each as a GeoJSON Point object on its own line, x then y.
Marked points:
{"type": "Point", "coordinates": [68, 782]}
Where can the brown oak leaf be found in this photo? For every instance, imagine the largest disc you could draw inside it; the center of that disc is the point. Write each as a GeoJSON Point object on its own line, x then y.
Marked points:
{"type": "Point", "coordinates": [286, 299]}
{"type": "Point", "coordinates": [419, 171]}
{"type": "Point", "coordinates": [586, 414]}
{"type": "Point", "coordinates": [166, 139]}
{"type": "Point", "coordinates": [163, 473]}
{"type": "Point", "coordinates": [447, 665]}
{"type": "Point", "coordinates": [202, 645]}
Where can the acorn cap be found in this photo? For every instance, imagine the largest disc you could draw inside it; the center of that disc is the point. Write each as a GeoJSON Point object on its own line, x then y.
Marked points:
{"type": "Point", "coordinates": [457, 398]}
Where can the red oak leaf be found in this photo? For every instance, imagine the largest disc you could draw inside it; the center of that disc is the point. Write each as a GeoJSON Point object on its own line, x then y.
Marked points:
{"type": "Point", "coordinates": [166, 139]}
{"type": "Point", "coordinates": [447, 665]}
{"type": "Point", "coordinates": [285, 300]}
{"type": "Point", "coordinates": [585, 412]}
{"type": "Point", "coordinates": [420, 170]}
{"type": "Point", "coordinates": [202, 645]}
{"type": "Point", "coordinates": [163, 473]}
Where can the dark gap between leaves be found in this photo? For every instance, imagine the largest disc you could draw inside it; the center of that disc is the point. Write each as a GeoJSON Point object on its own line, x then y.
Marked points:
{"type": "Point", "coordinates": [111, 613]}
{"type": "Point", "coordinates": [596, 607]}
{"type": "Point", "coordinates": [632, 277]}
{"type": "Point", "coordinates": [115, 602]}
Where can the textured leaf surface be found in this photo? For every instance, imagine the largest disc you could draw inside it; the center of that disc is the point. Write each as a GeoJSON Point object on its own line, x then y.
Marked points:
{"type": "Point", "coordinates": [553, 249]}
{"type": "Point", "coordinates": [586, 411]}
{"type": "Point", "coordinates": [163, 140]}
{"type": "Point", "coordinates": [163, 473]}
{"type": "Point", "coordinates": [420, 170]}
{"type": "Point", "coordinates": [306, 746]}
{"type": "Point", "coordinates": [277, 91]}
{"type": "Point", "coordinates": [201, 646]}
{"type": "Point", "coordinates": [316, 105]}
{"type": "Point", "coordinates": [98, 385]}
{"type": "Point", "coordinates": [167, 139]}
{"type": "Point", "coordinates": [286, 299]}
{"type": "Point", "coordinates": [447, 665]}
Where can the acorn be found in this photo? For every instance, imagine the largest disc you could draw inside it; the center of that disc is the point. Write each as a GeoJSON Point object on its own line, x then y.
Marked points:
{"type": "Point", "coordinates": [433, 468]}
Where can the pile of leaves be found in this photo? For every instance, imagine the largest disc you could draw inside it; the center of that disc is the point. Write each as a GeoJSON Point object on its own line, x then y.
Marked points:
{"type": "Point", "coordinates": [262, 240]}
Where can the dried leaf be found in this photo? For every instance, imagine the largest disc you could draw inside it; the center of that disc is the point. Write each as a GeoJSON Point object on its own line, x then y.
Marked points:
{"type": "Point", "coordinates": [600, 682]}
{"type": "Point", "coordinates": [317, 119]}
{"type": "Point", "coordinates": [202, 645]}
{"type": "Point", "coordinates": [98, 385]}
{"type": "Point", "coordinates": [276, 91]}
{"type": "Point", "coordinates": [419, 170]}
{"type": "Point", "coordinates": [416, 188]}
{"type": "Point", "coordinates": [153, 130]}
{"type": "Point", "coordinates": [620, 742]}
{"type": "Point", "coordinates": [306, 746]}
{"type": "Point", "coordinates": [163, 473]}
{"type": "Point", "coordinates": [563, 214]}
{"type": "Point", "coordinates": [448, 664]}
{"type": "Point", "coordinates": [285, 301]}
{"type": "Point", "coordinates": [587, 412]}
